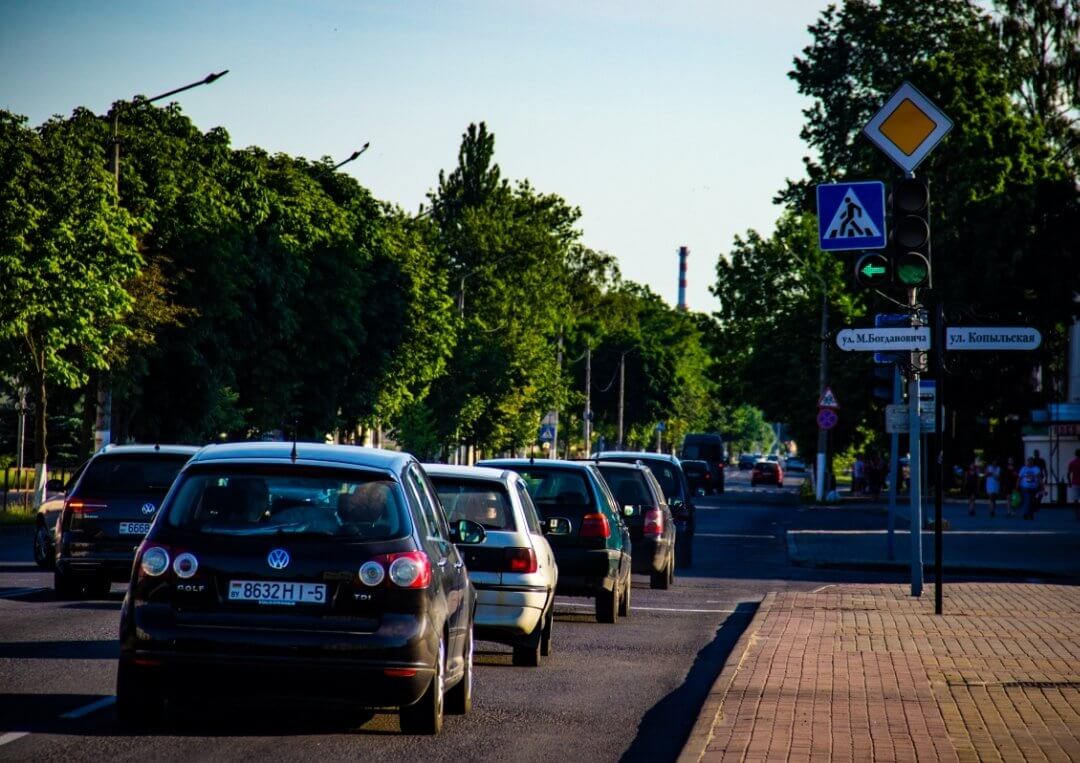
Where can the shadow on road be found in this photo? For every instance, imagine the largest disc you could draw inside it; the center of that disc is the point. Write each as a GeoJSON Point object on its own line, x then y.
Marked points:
{"type": "Point", "coordinates": [60, 650]}
{"type": "Point", "coordinates": [665, 727]}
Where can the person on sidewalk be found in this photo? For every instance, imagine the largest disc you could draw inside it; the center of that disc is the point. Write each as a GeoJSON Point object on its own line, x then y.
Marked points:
{"type": "Point", "coordinates": [1008, 483]}
{"type": "Point", "coordinates": [1030, 482]}
{"type": "Point", "coordinates": [971, 486]}
{"type": "Point", "coordinates": [1040, 464]}
{"type": "Point", "coordinates": [1072, 476]}
{"type": "Point", "coordinates": [858, 475]}
{"type": "Point", "coordinates": [993, 484]}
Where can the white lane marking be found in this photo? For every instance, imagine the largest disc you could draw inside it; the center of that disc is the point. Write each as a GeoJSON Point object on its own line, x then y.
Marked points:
{"type": "Point", "coordinates": [93, 707]}
{"type": "Point", "coordinates": [16, 592]}
{"type": "Point", "coordinates": [757, 536]}
{"type": "Point", "coordinates": [930, 532]}
{"type": "Point", "coordinates": [646, 609]}
{"type": "Point", "coordinates": [11, 736]}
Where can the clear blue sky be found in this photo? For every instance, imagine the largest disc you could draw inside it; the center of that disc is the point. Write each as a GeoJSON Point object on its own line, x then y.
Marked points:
{"type": "Point", "coordinates": [667, 123]}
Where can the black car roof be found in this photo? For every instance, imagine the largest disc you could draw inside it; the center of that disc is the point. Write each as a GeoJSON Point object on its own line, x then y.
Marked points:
{"type": "Point", "coordinates": [306, 452]}
{"type": "Point", "coordinates": [637, 454]}
{"type": "Point", "coordinates": [545, 462]}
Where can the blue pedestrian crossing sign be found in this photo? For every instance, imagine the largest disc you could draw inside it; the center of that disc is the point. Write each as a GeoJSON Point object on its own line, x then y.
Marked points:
{"type": "Point", "coordinates": [851, 216]}
{"type": "Point", "coordinates": [547, 433]}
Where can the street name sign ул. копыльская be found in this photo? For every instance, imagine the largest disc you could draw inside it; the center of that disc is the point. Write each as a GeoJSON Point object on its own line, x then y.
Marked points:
{"type": "Point", "coordinates": [851, 216]}
{"type": "Point", "coordinates": [912, 339]}
{"type": "Point", "coordinates": [992, 338]}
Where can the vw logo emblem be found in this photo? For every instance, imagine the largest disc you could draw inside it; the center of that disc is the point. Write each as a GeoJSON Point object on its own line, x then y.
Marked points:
{"type": "Point", "coordinates": [278, 559]}
{"type": "Point", "coordinates": [148, 508]}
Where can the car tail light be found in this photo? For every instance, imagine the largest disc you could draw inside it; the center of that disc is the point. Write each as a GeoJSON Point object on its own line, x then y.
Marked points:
{"type": "Point", "coordinates": [399, 672]}
{"type": "Point", "coordinates": [372, 573]}
{"type": "Point", "coordinates": [410, 569]}
{"type": "Point", "coordinates": [520, 560]}
{"type": "Point", "coordinates": [595, 526]}
{"type": "Point", "coordinates": [153, 561]}
{"type": "Point", "coordinates": [707, 476]}
{"type": "Point", "coordinates": [83, 505]}
{"type": "Point", "coordinates": [185, 565]}
{"type": "Point", "coordinates": [654, 522]}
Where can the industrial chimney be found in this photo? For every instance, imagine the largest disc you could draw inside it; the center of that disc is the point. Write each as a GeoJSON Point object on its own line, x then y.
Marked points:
{"type": "Point", "coordinates": [684, 252]}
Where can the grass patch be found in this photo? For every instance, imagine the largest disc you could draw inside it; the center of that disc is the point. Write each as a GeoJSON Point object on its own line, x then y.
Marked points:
{"type": "Point", "coordinates": [16, 516]}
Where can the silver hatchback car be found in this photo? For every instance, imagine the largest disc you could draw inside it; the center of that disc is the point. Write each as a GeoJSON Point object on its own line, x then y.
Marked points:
{"type": "Point", "coordinates": [513, 570]}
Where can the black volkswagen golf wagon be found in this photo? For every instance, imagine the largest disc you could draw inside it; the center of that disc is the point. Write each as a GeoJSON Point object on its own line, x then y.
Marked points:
{"type": "Point", "coordinates": [316, 571]}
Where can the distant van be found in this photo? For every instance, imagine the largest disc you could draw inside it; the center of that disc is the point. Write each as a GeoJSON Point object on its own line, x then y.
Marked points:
{"type": "Point", "coordinates": [710, 449]}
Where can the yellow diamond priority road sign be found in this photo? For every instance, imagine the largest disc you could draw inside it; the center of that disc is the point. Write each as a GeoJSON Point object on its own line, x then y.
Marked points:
{"type": "Point", "coordinates": [908, 127]}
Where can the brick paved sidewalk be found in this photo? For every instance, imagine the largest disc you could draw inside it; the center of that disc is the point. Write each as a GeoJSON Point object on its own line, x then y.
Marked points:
{"type": "Point", "coordinates": [866, 672]}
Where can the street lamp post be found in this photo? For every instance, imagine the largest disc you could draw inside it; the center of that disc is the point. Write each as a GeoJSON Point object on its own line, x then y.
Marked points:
{"type": "Point", "coordinates": [823, 377]}
{"type": "Point", "coordinates": [103, 419]}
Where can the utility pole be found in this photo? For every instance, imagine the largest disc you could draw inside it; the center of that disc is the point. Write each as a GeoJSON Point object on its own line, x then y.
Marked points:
{"type": "Point", "coordinates": [622, 386]}
{"type": "Point", "coordinates": [587, 423]}
{"type": "Point", "coordinates": [558, 373]}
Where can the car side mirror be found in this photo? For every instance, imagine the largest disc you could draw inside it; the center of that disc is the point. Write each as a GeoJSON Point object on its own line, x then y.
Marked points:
{"type": "Point", "coordinates": [557, 526]}
{"type": "Point", "coordinates": [467, 532]}
{"type": "Point", "coordinates": [54, 486]}
{"type": "Point", "coordinates": [676, 504]}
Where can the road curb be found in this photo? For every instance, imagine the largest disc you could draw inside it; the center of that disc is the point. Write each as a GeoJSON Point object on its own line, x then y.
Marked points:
{"type": "Point", "coordinates": [702, 731]}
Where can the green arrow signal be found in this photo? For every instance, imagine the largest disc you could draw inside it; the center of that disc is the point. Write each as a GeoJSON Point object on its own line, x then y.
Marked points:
{"type": "Point", "coordinates": [870, 270]}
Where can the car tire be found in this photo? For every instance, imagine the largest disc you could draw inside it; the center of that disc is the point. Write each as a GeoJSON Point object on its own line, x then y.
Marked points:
{"type": "Point", "coordinates": [459, 698]}
{"type": "Point", "coordinates": [527, 654]}
{"type": "Point", "coordinates": [99, 587]}
{"type": "Point", "coordinates": [140, 700]}
{"type": "Point", "coordinates": [624, 603]}
{"type": "Point", "coordinates": [661, 580]}
{"type": "Point", "coordinates": [671, 568]}
{"type": "Point", "coordinates": [545, 635]}
{"type": "Point", "coordinates": [66, 586]}
{"type": "Point", "coordinates": [44, 553]}
{"type": "Point", "coordinates": [426, 716]}
{"type": "Point", "coordinates": [607, 606]}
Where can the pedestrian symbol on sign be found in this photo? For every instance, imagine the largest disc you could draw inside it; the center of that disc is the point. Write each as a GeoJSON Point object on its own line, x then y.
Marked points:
{"type": "Point", "coordinates": [851, 221]}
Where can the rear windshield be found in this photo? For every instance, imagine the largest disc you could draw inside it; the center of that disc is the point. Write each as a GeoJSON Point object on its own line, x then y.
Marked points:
{"type": "Point", "coordinates": [707, 451]}
{"type": "Point", "coordinates": [694, 467]}
{"type": "Point", "coordinates": [131, 475]}
{"type": "Point", "coordinates": [256, 502]}
{"type": "Point", "coordinates": [666, 474]}
{"type": "Point", "coordinates": [628, 486]}
{"type": "Point", "coordinates": [480, 501]}
{"type": "Point", "coordinates": [765, 466]}
{"type": "Point", "coordinates": [551, 488]}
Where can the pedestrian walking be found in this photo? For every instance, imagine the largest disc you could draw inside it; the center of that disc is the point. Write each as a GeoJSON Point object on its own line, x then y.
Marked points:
{"type": "Point", "coordinates": [971, 486]}
{"type": "Point", "coordinates": [1008, 484]}
{"type": "Point", "coordinates": [858, 475]}
{"type": "Point", "coordinates": [1030, 482]}
{"type": "Point", "coordinates": [1072, 475]}
{"type": "Point", "coordinates": [993, 484]}
{"type": "Point", "coordinates": [1040, 463]}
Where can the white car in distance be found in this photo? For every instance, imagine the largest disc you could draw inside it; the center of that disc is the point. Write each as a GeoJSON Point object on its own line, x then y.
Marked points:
{"type": "Point", "coordinates": [513, 570]}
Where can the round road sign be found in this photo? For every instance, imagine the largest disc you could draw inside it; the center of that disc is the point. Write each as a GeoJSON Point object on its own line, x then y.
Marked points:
{"type": "Point", "coordinates": [827, 418]}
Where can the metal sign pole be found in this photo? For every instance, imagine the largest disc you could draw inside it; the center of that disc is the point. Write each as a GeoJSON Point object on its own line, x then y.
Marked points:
{"type": "Point", "coordinates": [894, 462]}
{"type": "Point", "coordinates": [915, 483]}
{"type": "Point", "coordinates": [939, 431]}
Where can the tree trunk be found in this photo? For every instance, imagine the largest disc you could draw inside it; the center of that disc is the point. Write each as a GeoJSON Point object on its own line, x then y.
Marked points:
{"type": "Point", "coordinates": [41, 474]}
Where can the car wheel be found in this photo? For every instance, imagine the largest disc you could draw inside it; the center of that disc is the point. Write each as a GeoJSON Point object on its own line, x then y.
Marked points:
{"type": "Point", "coordinates": [624, 605]}
{"type": "Point", "coordinates": [662, 579]}
{"type": "Point", "coordinates": [527, 654]}
{"type": "Point", "coordinates": [426, 716]}
{"type": "Point", "coordinates": [545, 635]}
{"type": "Point", "coordinates": [607, 606]}
{"type": "Point", "coordinates": [44, 556]}
{"type": "Point", "coordinates": [139, 697]}
{"type": "Point", "coordinates": [100, 587]}
{"type": "Point", "coordinates": [67, 586]}
{"type": "Point", "coordinates": [671, 568]}
{"type": "Point", "coordinates": [459, 699]}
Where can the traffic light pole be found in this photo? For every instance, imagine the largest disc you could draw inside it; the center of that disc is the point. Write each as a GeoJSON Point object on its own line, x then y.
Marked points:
{"type": "Point", "coordinates": [894, 461]}
{"type": "Point", "coordinates": [938, 350]}
{"type": "Point", "coordinates": [915, 483]}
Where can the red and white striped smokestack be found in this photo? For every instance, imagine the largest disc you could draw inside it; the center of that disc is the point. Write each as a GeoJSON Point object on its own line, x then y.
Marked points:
{"type": "Point", "coordinates": [684, 252]}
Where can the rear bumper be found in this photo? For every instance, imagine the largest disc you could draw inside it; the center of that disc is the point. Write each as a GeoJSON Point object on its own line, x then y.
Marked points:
{"type": "Point", "coordinates": [507, 614]}
{"type": "Point", "coordinates": [587, 572]}
{"type": "Point", "coordinates": [244, 661]}
{"type": "Point", "coordinates": [650, 555]}
{"type": "Point", "coordinates": [117, 567]}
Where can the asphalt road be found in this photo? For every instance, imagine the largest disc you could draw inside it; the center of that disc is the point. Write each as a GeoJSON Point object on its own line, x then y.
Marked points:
{"type": "Point", "coordinates": [629, 691]}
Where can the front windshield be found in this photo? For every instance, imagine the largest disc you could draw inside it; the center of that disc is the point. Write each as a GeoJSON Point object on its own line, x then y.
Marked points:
{"type": "Point", "coordinates": [290, 501]}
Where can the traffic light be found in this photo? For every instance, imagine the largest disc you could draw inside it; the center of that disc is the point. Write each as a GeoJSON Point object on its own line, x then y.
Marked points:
{"type": "Point", "coordinates": [873, 269]}
{"type": "Point", "coordinates": [910, 246]}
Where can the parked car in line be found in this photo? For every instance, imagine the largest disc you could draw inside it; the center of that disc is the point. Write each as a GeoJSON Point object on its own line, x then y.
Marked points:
{"type": "Point", "coordinates": [308, 570]}
{"type": "Point", "coordinates": [48, 512]}
{"type": "Point", "coordinates": [698, 476]}
{"type": "Point", "coordinates": [652, 527]}
{"type": "Point", "coordinates": [766, 473]}
{"type": "Point", "coordinates": [795, 464]}
{"type": "Point", "coordinates": [594, 555]}
{"type": "Point", "coordinates": [680, 498]}
{"type": "Point", "coordinates": [747, 461]}
{"type": "Point", "coordinates": [513, 570]}
{"type": "Point", "coordinates": [107, 511]}
{"type": "Point", "coordinates": [710, 449]}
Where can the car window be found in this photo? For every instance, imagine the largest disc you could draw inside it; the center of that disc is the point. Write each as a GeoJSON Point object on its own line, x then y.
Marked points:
{"type": "Point", "coordinates": [249, 501]}
{"type": "Point", "coordinates": [482, 501]}
{"type": "Point", "coordinates": [557, 487]}
{"type": "Point", "coordinates": [427, 504]}
{"type": "Point", "coordinates": [531, 517]}
{"type": "Point", "coordinates": [120, 475]}
{"type": "Point", "coordinates": [668, 477]}
{"type": "Point", "coordinates": [627, 485]}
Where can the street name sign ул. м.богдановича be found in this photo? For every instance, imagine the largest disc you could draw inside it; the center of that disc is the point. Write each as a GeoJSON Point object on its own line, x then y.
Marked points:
{"type": "Point", "coordinates": [912, 339]}
{"type": "Point", "coordinates": [992, 338]}
{"type": "Point", "coordinates": [851, 216]}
